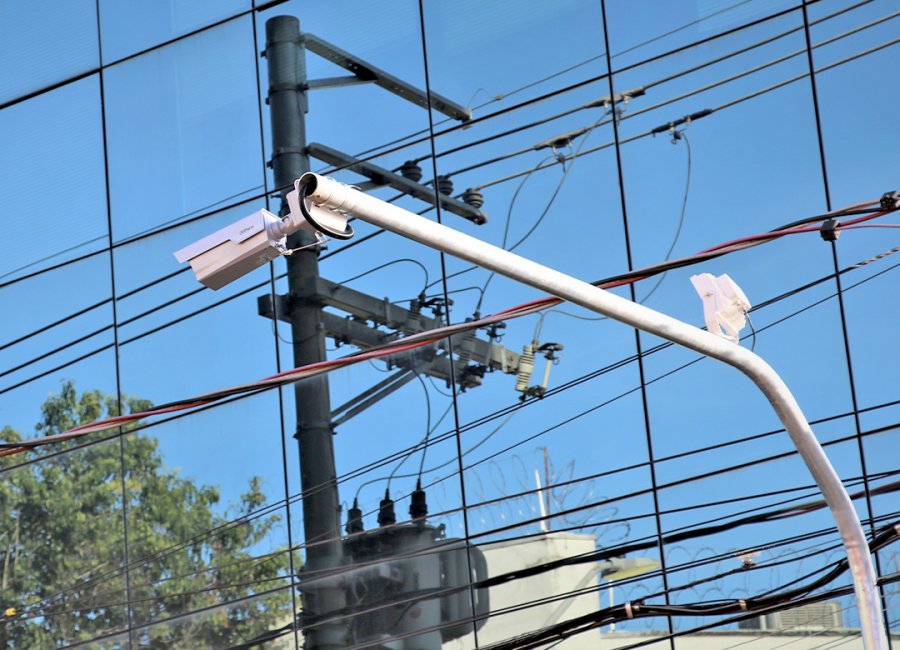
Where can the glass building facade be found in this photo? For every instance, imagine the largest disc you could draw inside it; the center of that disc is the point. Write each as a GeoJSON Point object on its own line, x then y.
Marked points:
{"type": "Point", "coordinates": [605, 136]}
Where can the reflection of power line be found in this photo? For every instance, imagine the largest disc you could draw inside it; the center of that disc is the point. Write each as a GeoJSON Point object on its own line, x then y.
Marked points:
{"type": "Point", "coordinates": [37, 611]}
{"type": "Point", "coordinates": [585, 82]}
{"type": "Point", "coordinates": [715, 109]}
{"type": "Point", "coordinates": [671, 77]}
{"type": "Point", "coordinates": [782, 599]}
{"type": "Point", "coordinates": [201, 213]}
{"type": "Point", "coordinates": [182, 220]}
{"type": "Point", "coordinates": [435, 336]}
{"type": "Point", "coordinates": [710, 526]}
{"type": "Point", "coordinates": [540, 166]}
{"type": "Point", "coordinates": [754, 605]}
{"type": "Point", "coordinates": [566, 70]}
{"type": "Point", "coordinates": [664, 345]}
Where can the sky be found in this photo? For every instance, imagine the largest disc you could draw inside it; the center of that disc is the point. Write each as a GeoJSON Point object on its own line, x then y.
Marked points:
{"type": "Point", "coordinates": [185, 133]}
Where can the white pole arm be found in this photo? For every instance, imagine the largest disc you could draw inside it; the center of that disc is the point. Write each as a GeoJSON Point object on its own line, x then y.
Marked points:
{"type": "Point", "coordinates": [327, 194]}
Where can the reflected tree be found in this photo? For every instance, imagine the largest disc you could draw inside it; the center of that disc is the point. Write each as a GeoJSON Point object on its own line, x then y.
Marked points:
{"type": "Point", "coordinates": [62, 544]}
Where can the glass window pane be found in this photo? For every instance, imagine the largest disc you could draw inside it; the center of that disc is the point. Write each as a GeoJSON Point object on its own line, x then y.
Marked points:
{"type": "Point", "coordinates": [45, 41]}
{"type": "Point", "coordinates": [183, 127]}
{"type": "Point", "coordinates": [854, 49]}
{"type": "Point", "coordinates": [64, 545]}
{"type": "Point", "coordinates": [217, 530]}
{"type": "Point", "coordinates": [53, 192]}
{"type": "Point", "coordinates": [129, 26]}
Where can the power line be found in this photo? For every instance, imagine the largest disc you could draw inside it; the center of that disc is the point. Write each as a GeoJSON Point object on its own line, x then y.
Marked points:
{"type": "Point", "coordinates": [754, 605]}
{"type": "Point", "coordinates": [181, 221]}
{"type": "Point", "coordinates": [682, 137]}
{"type": "Point", "coordinates": [577, 381]}
{"type": "Point", "coordinates": [590, 80]}
{"type": "Point", "coordinates": [856, 266]}
{"type": "Point", "coordinates": [559, 73]}
{"type": "Point", "coordinates": [715, 109]}
{"type": "Point", "coordinates": [824, 595]}
{"type": "Point", "coordinates": [721, 444]}
{"type": "Point", "coordinates": [542, 600]}
{"type": "Point", "coordinates": [175, 223]}
{"type": "Point", "coordinates": [707, 529]}
{"type": "Point", "coordinates": [622, 612]}
{"type": "Point", "coordinates": [46, 611]}
{"type": "Point", "coordinates": [430, 336]}
{"type": "Point", "coordinates": [666, 79]}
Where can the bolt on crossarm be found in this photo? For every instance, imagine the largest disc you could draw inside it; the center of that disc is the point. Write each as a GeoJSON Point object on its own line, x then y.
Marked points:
{"type": "Point", "coordinates": [326, 193]}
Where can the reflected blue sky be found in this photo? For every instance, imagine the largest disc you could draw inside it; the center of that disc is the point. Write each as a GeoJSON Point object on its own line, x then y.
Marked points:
{"type": "Point", "coordinates": [187, 133]}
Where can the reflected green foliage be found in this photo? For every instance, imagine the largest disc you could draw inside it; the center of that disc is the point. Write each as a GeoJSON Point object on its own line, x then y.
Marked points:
{"type": "Point", "coordinates": [62, 544]}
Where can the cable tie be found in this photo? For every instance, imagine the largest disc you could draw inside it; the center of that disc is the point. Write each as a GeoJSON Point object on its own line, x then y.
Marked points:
{"type": "Point", "coordinates": [320, 239]}
{"type": "Point", "coordinates": [743, 605]}
{"type": "Point", "coordinates": [890, 200]}
{"type": "Point", "coordinates": [628, 612]}
{"type": "Point", "coordinates": [829, 230]}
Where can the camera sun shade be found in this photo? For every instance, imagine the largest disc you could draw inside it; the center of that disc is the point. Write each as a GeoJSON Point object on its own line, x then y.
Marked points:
{"type": "Point", "coordinates": [237, 249]}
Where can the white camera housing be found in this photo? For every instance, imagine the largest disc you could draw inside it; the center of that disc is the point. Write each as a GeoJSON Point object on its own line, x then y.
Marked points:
{"type": "Point", "coordinates": [237, 249]}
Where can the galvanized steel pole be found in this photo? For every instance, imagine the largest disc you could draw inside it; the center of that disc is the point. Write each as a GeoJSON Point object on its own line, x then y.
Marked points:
{"type": "Point", "coordinates": [328, 193]}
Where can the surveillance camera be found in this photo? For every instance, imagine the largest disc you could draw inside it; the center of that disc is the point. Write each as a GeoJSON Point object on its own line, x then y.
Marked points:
{"type": "Point", "coordinates": [237, 249]}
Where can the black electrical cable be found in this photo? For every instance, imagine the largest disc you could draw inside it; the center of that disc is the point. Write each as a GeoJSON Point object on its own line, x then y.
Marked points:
{"type": "Point", "coordinates": [423, 445]}
{"type": "Point", "coordinates": [825, 595]}
{"type": "Point", "coordinates": [181, 221]}
{"type": "Point", "coordinates": [570, 69]}
{"type": "Point", "coordinates": [666, 79]}
{"type": "Point", "coordinates": [690, 529]}
{"type": "Point", "coordinates": [689, 565]}
{"type": "Point", "coordinates": [882, 538]}
{"type": "Point", "coordinates": [29, 612]}
{"type": "Point", "coordinates": [718, 108]}
{"type": "Point", "coordinates": [588, 81]}
{"type": "Point", "coordinates": [262, 6]}
{"type": "Point", "coordinates": [408, 600]}
{"type": "Point", "coordinates": [802, 508]}
{"type": "Point", "coordinates": [509, 213]}
{"type": "Point", "coordinates": [624, 549]}
{"type": "Point", "coordinates": [637, 493]}
{"type": "Point", "coordinates": [428, 430]}
{"type": "Point", "coordinates": [441, 592]}
{"type": "Point", "coordinates": [387, 264]}
{"type": "Point", "coordinates": [430, 594]}
{"type": "Point", "coordinates": [635, 274]}
{"type": "Point", "coordinates": [476, 423]}
{"type": "Point", "coordinates": [665, 345]}
{"type": "Point", "coordinates": [682, 137]}
{"type": "Point", "coordinates": [785, 559]}
{"type": "Point", "coordinates": [49, 326]}
{"type": "Point", "coordinates": [854, 266]}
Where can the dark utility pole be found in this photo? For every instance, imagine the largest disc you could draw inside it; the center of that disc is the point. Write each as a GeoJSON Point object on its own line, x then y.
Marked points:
{"type": "Point", "coordinates": [326, 551]}
{"type": "Point", "coordinates": [321, 509]}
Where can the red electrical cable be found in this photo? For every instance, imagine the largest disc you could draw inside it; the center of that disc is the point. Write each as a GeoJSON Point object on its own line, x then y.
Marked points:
{"type": "Point", "coordinates": [426, 338]}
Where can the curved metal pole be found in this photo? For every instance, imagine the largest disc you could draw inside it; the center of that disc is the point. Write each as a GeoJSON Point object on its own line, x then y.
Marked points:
{"type": "Point", "coordinates": [328, 193]}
